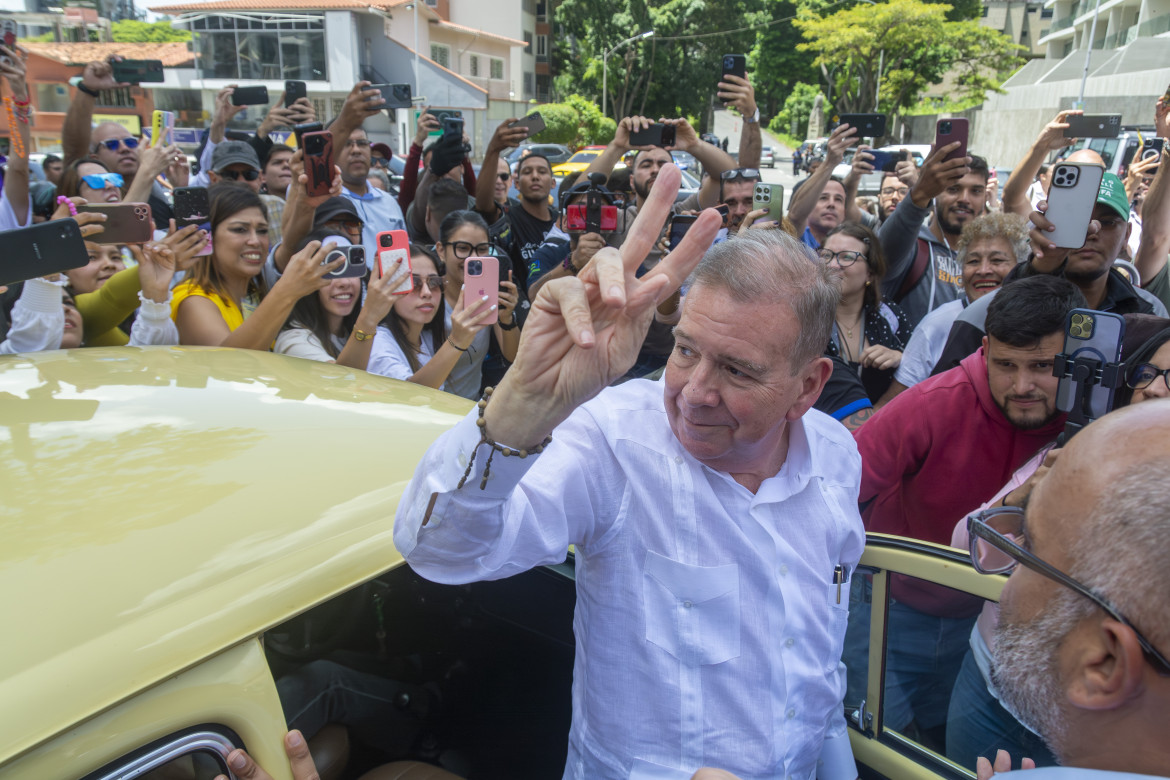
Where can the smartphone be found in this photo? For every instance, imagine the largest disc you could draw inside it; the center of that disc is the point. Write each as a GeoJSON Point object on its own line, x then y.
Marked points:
{"type": "Point", "coordinates": [440, 114]}
{"type": "Point", "coordinates": [724, 211]}
{"type": "Point", "coordinates": [126, 223]}
{"type": "Point", "coordinates": [137, 71]}
{"type": "Point", "coordinates": [656, 134]}
{"type": "Point", "coordinates": [294, 91]}
{"type": "Point", "coordinates": [1071, 196]}
{"type": "Point", "coordinates": [771, 197]}
{"type": "Point", "coordinates": [318, 162]}
{"type": "Point", "coordinates": [590, 218]}
{"type": "Point", "coordinates": [481, 277]}
{"type": "Point", "coordinates": [7, 37]}
{"type": "Point", "coordinates": [308, 127]}
{"type": "Point", "coordinates": [1093, 126]}
{"type": "Point", "coordinates": [250, 96]}
{"type": "Point", "coordinates": [453, 127]}
{"type": "Point", "coordinates": [395, 95]}
{"type": "Point", "coordinates": [354, 265]}
{"type": "Point", "coordinates": [887, 161]}
{"type": "Point", "coordinates": [947, 131]}
{"type": "Point", "coordinates": [162, 128]}
{"type": "Point", "coordinates": [534, 122]}
{"type": "Point", "coordinates": [394, 245]}
{"type": "Point", "coordinates": [866, 125]}
{"type": "Point", "coordinates": [1090, 334]}
{"type": "Point", "coordinates": [678, 228]}
{"type": "Point", "coordinates": [192, 206]}
{"type": "Point", "coordinates": [40, 250]}
{"type": "Point", "coordinates": [734, 65]}
{"type": "Point", "coordinates": [1152, 148]}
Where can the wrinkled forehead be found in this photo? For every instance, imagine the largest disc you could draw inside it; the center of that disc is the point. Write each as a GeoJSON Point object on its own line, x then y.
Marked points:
{"type": "Point", "coordinates": [107, 130]}
{"type": "Point", "coordinates": [648, 156]}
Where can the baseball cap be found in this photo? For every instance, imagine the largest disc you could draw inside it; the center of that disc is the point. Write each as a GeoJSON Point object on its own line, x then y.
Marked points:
{"type": "Point", "coordinates": [233, 152]}
{"type": "Point", "coordinates": [1112, 194]}
{"type": "Point", "coordinates": [382, 149]}
{"type": "Point", "coordinates": [336, 208]}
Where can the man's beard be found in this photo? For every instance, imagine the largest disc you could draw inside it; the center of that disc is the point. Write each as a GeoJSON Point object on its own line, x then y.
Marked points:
{"type": "Point", "coordinates": [1025, 671]}
{"type": "Point", "coordinates": [642, 189]}
{"type": "Point", "coordinates": [1030, 423]}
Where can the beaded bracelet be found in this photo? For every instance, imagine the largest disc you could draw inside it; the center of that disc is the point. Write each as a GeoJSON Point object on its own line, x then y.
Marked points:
{"type": "Point", "coordinates": [64, 201]}
{"type": "Point", "coordinates": [15, 141]}
{"type": "Point", "coordinates": [507, 452]}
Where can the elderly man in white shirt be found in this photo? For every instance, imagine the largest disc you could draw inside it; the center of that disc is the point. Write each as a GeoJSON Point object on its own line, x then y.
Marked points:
{"type": "Point", "coordinates": [714, 515]}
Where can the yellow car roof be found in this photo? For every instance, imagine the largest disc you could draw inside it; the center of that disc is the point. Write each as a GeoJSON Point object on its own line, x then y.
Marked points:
{"type": "Point", "coordinates": [162, 504]}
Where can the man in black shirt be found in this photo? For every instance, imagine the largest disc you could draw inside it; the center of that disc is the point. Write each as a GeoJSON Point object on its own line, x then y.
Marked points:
{"type": "Point", "coordinates": [519, 225]}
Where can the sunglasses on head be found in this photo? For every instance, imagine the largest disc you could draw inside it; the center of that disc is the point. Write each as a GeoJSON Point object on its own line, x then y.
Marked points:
{"type": "Point", "coordinates": [99, 181]}
{"type": "Point", "coordinates": [434, 281]}
{"type": "Point", "coordinates": [249, 175]}
{"type": "Point", "coordinates": [740, 173]}
{"type": "Point", "coordinates": [113, 143]}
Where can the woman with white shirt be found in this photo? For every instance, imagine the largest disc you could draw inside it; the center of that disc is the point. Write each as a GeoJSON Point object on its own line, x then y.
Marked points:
{"type": "Point", "coordinates": [329, 325]}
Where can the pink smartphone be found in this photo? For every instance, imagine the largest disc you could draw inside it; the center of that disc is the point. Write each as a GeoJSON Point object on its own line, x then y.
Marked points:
{"type": "Point", "coordinates": [394, 245]}
{"type": "Point", "coordinates": [947, 131]}
{"type": "Point", "coordinates": [481, 277]}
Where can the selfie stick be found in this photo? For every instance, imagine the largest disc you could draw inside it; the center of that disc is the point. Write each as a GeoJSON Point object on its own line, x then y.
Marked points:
{"type": "Point", "coordinates": [1085, 371]}
{"type": "Point", "coordinates": [593, 203]}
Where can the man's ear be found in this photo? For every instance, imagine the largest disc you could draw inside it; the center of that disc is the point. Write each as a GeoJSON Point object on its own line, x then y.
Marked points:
{"type": "Point", "coordinates": [984, 345]}
{"type": "Point", "coordinates": [814, 376]}
{"type": "Point", "coordinates": [1105, 664]}
{"type": "Point", "coordinates": [214, 177]}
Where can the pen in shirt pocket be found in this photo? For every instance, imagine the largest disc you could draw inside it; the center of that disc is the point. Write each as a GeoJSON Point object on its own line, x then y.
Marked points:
{"type": "Point", "coordinates": [840, 577]}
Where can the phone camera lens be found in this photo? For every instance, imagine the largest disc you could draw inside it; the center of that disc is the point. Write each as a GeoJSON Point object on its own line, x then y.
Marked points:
{"type": "Point", "coordinates": [945, 128]}
{"type": "Point", "coordinates": [474, 267]}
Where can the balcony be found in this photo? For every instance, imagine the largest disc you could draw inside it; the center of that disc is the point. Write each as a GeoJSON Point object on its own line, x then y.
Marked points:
{"type": "Point", "coordinates": [1155, 26]}
{"type": "Point", "coordinates": [1060, 24]}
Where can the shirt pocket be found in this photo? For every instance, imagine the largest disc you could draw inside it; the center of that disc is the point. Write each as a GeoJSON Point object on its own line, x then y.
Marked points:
{"type": "Point", "coordinates": [692, 612]}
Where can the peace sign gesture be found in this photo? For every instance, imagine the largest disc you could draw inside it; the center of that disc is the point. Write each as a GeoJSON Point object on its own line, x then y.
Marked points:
{"type": "Point", "coordinates": [585, 331]}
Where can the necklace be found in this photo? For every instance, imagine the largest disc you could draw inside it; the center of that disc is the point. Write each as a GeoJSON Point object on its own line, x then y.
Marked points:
{"type": "Point", "coordinates": [846, 343]}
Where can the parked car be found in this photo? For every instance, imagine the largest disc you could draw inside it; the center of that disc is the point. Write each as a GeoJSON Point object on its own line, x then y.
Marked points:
{"type": "Point", "coordinates": [189, 529]}
{"type": "Point", "coordinates": [767, 160]}
{"type": "Point", "coordinates": [578, 162]}
{"type": "Point", "coordinates": [1117, 152]}
{"type": "Point", "coordinates": [687, 162]}
{"type": "Point", "coordinates": [556, 153]}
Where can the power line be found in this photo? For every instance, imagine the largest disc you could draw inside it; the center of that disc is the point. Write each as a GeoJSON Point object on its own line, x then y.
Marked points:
{"type": "Point", "coordinates": [738, 29]}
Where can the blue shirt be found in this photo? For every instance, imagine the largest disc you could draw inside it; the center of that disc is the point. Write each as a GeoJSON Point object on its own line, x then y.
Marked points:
{"type": "Point", "coordinates": [379, 212]}
{"type": "Point", "coordinates": [810, 240]}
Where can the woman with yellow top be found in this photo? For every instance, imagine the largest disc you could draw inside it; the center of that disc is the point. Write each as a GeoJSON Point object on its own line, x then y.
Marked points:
{"type": "Point", "coordinates": [223, 302]}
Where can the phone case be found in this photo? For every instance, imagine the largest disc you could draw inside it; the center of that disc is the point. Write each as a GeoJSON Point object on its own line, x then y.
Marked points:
{"type": "Point", "coordinates": [678, 228]}
{"type": "Point", "coordinates": [162, 128]}
{"type": "Point", "coordinates": [40, 250]}
{"type": "Point", "coordinates": [300, 131]}
{"type": "Point", "coordinates": [1071, 196]}
{"type": "Point", "coordinates": [137, 71]}
{"type": "Point", "coordinates": [771, 197]}
{"type": "Point", "coordinates": [735, 65]}
{"type": "Point", "coordinates": [1093, 126]}
{"type": "Point", "coordinates": [192, 206]}
{"type": "Point", "coordinates": [485, 283]}
{"type": "Point", "coordinates": [319, 162]}
{"type": "Point", "coordinates": [439, 114]}
{"type": "Point", "coordinates": [250, 96]}
{"type": "Point", "coordinates": [395, 95]}
{"type": "Point", "coordinates": [1095, 334]}
{"type": "Point", "coordinates": [126, 223]}
{"type": "Point", "coordinates": [355, 262]}
{"type": "Point", "coordinates": [1152, 148]}
{"type": "Point", "coordinates": [294, 91]}
{"type": "Point", "coordinates": [867, 125]}
{"type": "Point", "coordinates": [887, 161]}
{"type": "Point", "coordinates": [947, 131]}
{"type": "Point", "coordinates": [534, 122]}
{"type": "Point", "coordinates": [394, 245]}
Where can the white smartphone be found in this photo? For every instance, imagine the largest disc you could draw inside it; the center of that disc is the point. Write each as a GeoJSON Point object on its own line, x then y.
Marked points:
{"type": "Point", "coordinates": [1071, 196]}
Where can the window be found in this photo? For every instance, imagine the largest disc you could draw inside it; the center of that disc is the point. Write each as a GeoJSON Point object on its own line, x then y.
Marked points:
{"type": "Point", "coordinates": [1046, 13]}
{"type": "Point", "coordinates": [541, 45]}
{"type": "Point", "coordinates": [52, 97]}
{"type": "Point", "coordinates": [497, 68]}
{"type": "Point", "coordinates": [441, 54]}
{"type": "Point", "coordinates": [541, 10]}
{"type": "Point", "coordinates": [319, 109]}
{"type": "Point", "coordinates": [260, 47]}
{"type": "Point", "coordinates": [473, 65]}
{"type": "Point", "coordinates": [529, 85]}
{"type": "Point", "coordinates": [527, 42]}
{"type": "Point", "coordinates": [118, 98]}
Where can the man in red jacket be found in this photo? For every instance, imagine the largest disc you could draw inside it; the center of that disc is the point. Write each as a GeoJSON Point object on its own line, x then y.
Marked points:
{"type": "Point", "coordinates": [935, 453]}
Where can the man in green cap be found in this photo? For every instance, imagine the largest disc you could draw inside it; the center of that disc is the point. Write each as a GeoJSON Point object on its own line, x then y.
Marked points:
{"type": "Point", "coordinates": [1090, 268]}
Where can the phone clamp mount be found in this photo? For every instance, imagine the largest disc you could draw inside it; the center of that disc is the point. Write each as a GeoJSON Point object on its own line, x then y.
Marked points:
{"type": "Point", "coordinates": [1085, 371]}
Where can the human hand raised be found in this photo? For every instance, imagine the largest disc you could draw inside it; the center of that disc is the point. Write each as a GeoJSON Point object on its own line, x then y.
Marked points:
{"type": "Point", "coordinates": [156, 268]}
{"type": "Point", "coordinates": [1052, 136]}
{"type": "Point", "coordinates": [98, 75]}
{"type": "Point", "coordinates": [737, 92]}
{"type": "Point", "coordinates": [427, 124]}
{"type": "Point", "coordinates": [584, 331]}
{"type": "Point", "coordinates": [186, 244]}
{"type": "Point", "coordinates": [506, 136]}
{"type": "Point", "coordinates": [305, 272]}
{"type": "Point", "coordinates": [628, 125]}
{"type": "Point", "coordinates": [588, 245]}
{"type": "Point", "coordinates": [224, 110]}
{"type": "Point", "coordinates": [296, 164]}
{"type": "Point", "coordinates": [685, 137]}
{"type": "Point", "coordinates": [13, 69]}
{"type": "Point", "coordinates": [938, 173]}
{"type": "Point", "coordinates": [842, 137]}
{"type": "Point", "coordinates": [862, 161]}
{"type": "Point", "coordinates": [469, 319]}
{"type": "Point", "coordinates": [1047, 256]}
{"type": "Point", "coordinates": [380, 296]}
{"type": "Point", "coordinates": [89, 221]}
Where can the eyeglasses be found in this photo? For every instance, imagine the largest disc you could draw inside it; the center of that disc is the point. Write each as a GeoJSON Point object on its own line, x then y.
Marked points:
{"type": "Point", "coordinates": [465, 249]}
{"type": "Point", "coordinates": [998, 544]}
{"type": "Point", "coordinates": [504, 176]}
{"type": "Point", "coordinates": [434, 281]}
{"type": "Point", "coordinates": [113, 143]}
{"type": "Point", "coordinates": [99, 181]}
{"type": "Point", "coordinates": [740, 173]}
{"type": "Point", "coordinates": [903, 191]}
{"type": "Point", "coordinates": [844, 258]}
{"type": "Point", "coordinates": [1144, 374]}
{"type": "Point", "coordinates": [248, 175]}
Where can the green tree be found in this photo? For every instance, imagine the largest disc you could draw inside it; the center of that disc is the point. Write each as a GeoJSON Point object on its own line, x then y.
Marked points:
{"type": "Point", "coordinates": [561, 123]}
{"type": "Point", "coordinates": [594, 128]}
{"type": "Point", "coordinates": [131, 31]}
{"type": "Point", "coordinates": [915, 46]}
{"type": "Point", "coordinates": [775, 65]}
{"type": "Point", "coordinates": [793, 118]}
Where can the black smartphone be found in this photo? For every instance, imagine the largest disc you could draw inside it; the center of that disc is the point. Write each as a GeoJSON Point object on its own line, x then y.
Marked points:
{"type": "Point", "coordinates": [453, 127]}
{"type": "Point", "coordinates": [294, 91]}
{"type": "Point", "coordinates": [40, 250]}
{"type": "Point", "coordinates": [192, 206]}
{"type": "Point", "coordinates": [735, 65]}
{"type": "Point", "coordinates": [656, 134]}
{"type": "Point", "coordinates": [887, 161]}
{"type": "Point", "coordinates": [866, 125]}
{"type": "Point", "coordinates": [1093, 126]}
{"type": "Point", "coordinates": [354, 265]}
{"type": "Point", "coordinates": [395, 95]}
{"type": "Point", "coordinates": [137, 71]}
{"type": "Point", "coordinates": [250, 96]}
{"type": "Point", "coordinates": [1152, 148]}
{"type": "Point", "coordinates": [724, 211]}
{"type": "Point", "coordinates": [444, 113]}
{"type": "Point", "coordinates": [678, 228]}
{"type": "Point", "coordinates": [318, 162]}
{"type": "Point", "coordinates": [308, 127]}
{"type": "Point", "coordinates": [534, 123]}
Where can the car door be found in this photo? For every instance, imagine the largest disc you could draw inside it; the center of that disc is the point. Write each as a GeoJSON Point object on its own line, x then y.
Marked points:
{"type": "Point", "coordinates": [894, 713]}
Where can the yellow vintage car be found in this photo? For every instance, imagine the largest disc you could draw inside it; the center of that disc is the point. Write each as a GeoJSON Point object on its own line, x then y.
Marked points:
{"type": "Point", "coordinates": [187, 530]}
{"type": "Point", "coordinates": [579, 161]}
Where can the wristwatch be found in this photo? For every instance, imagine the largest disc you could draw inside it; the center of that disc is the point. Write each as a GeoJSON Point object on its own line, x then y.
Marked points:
{"type": "Point", "coordinates": [751, 120]}
{"type": "Point", "coordinates": [361, 335]}
{"type": "Point", "coordinates": [511, 325]}
{"type": "Point", "coordinates": [76, 82]}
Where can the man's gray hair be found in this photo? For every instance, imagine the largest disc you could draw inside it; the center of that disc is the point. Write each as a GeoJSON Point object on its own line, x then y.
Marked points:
{"type": "Point", "coordinates": [770, 266]}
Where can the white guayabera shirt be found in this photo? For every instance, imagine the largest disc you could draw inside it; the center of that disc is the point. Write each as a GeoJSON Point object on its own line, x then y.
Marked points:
{"type": "Point", "coordinates": [708, 627]}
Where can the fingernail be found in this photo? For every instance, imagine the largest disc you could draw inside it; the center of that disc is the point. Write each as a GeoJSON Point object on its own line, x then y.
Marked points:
{"type": "Point", "coordinates": [587, 337]}
{"type": "Point", "coordinates": [493, 308]}
{"type": "Point", "coordinates": [237, 761]}
{"type": "Point", "coordinates": [484, 298]}
{"type": "Point", "coordinates": [295, 739]}
{"type": "Point", "coordinates": [615, 291]}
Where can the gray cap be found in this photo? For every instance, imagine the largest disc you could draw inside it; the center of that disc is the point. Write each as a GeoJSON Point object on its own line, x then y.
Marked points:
{"type": "Point", "coordinates": [232, 152]}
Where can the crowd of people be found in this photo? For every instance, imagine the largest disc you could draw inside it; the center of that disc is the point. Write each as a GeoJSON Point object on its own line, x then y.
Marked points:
{"type": "Point", "coordinates": [924, 332]}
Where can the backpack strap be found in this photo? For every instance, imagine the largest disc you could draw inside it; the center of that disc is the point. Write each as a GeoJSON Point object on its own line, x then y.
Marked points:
{"type": "Point", "coordinates": [921, 260]}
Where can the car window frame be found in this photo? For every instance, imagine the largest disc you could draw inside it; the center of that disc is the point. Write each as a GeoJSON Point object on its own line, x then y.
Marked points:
{"type": "Point", "coordinates": [208, 738]}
